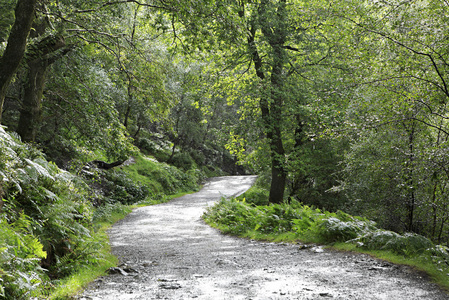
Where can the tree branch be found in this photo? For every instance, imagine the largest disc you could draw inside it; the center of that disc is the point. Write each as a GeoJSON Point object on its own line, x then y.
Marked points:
{"type": "Point", "coordinates": [110, 3]}
{"type": "Point", "coordinates": [291, 48]}
{"type": "Point", "coordinates": [429, 56]}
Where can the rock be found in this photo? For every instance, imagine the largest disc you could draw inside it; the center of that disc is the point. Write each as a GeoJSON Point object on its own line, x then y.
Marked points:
{"type": "Point", "coordinates": [170, 286]}
{"type": "Point", "coordinates": [128, 269]}
{"type": "Point", "coordinates": [303, 247]}
{"type": "Point", "coordinates": [116, 270]}
{"type": "Point", "coordinates": [325, 295]}
{"type": "Point", "coordinates": [317, 249]}
{"type": "Point", "coordinates": [149, 264]}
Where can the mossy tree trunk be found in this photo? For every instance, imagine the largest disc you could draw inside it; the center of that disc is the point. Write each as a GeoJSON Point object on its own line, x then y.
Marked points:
{"type": "Point", "coordinates": [38, 62]}
{"type": "Point", "coordinates": [15, 48]}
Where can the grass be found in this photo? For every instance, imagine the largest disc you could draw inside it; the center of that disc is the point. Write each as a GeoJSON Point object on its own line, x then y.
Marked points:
{"type": "Point", "coordinates": [160, 178]}
{"type": "Point", "coordinates": [141, 172]}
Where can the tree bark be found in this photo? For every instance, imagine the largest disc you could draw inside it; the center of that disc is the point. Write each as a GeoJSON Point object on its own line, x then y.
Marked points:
{"type": "Point", "coordinates": [271, 104]}
{"type": "Point", "coordinates": [274, 134]}
{"type": "Point", "coordinates": [15, 49]}
{"type": "Point", "coordinates": [30, 113]}
{"type": "Point", "coordinates": [411, 203]}
{"type": "Point", "coordinates": [38, 62]}
{"type": "Point", "coordinates": [272, 110]}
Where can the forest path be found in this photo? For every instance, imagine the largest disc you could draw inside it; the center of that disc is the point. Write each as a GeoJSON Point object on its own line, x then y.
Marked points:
{"type": "Point", "coordinates": [169, 253]}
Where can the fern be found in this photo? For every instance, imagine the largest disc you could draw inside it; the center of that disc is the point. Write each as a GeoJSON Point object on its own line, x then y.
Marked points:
{"type": "Point", "coordinates": [36, 171]}
{"type": "Point", "coordinates": [54, 223]}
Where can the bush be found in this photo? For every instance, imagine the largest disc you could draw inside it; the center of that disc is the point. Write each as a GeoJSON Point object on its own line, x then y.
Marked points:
{"type": "Point", "coordinates": [240, 217]}
{"type": "Point", "coordinates": [276, 218]}
{"type": "Point", "coordinates": [256, 195]}
{"type": "Point", "coordinates": [341, 227]}
{"type": "Point", "coordinates": [440, 255]}
{"type": "Point", "coordinates": [407, 244]}
{"type": "Point", "coordinates": [155, 146]}
{"type": "Point", "coordinates": [146, 146]}
{"type": "Point", "coordinates": [119, 187]}
{"type": "Point", "coordinates": [232, 216]}
{"type": "Point", "coordinates": [334, 230]}
{"type": "Point", "coordinates": [183, 161]}
{"type": "Point", "coordinates": [237, 217]}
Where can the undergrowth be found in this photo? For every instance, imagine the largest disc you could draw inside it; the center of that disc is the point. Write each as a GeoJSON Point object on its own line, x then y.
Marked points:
{"type": "Point", "coordinates": [161, 178]}
{"type": "Point", "coordinates": [294, 222]}
{"type": "Point", "coordinates": [53, 223]}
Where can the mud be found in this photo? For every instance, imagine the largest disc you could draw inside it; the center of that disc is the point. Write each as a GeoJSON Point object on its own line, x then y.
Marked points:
{"type": "Point", "coordinates": [167, 252]}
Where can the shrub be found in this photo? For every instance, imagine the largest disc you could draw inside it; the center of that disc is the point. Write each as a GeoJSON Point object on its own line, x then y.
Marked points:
{"type": "Point", "coordinates": [334, 230]}
{"type": "Point", "coordinates": [276, 218]}
{"type": "Point", "coordinates": [407, 244]}
{"type": "Point", "coordinates": [237, 217]}
{"type": "Point", "coordinates": [440, 255]}
{"type": "Point", "coordinates": [256, 195]}
{"type": "Point", "coordinates": [341, 227]}
{"type": "Point", "coordinates": [119, 187]}
{"type": "Point", "coordinates": [232, 216]}
{"type": "Point", "coordinates": [183, 161]}
{"type": "Point", "coordinates": [146, 146]}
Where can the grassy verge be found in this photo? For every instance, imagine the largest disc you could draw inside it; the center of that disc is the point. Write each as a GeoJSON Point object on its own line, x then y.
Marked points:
{"type": "Point", "coordinates": [298, 223]}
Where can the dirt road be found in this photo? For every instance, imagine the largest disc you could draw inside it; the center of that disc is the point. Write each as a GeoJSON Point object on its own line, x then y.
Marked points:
{"type": "Point", "coordinates": [169, 253]}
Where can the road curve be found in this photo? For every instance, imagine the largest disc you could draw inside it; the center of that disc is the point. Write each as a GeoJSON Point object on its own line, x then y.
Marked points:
{"type": "Point", "coordinates": [167, 252]}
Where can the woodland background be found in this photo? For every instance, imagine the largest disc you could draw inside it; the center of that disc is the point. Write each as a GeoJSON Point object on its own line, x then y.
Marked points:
{"type": "Point", "coordinates": [339, 105]}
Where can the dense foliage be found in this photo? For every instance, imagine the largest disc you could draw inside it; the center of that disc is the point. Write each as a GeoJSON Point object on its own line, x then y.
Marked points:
{"type": "Point", "coordinates": [45, 220]}
{"type": "Point", "coordinates": [341, 106]}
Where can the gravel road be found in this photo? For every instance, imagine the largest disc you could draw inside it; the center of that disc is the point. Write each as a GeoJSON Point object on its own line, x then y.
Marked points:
{"type": "Point", "coordinates": [167, 252]}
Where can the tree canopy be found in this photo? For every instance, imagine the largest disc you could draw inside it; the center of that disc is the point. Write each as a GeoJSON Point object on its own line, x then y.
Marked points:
{"type": "Point", "coordinates": [340, 105]}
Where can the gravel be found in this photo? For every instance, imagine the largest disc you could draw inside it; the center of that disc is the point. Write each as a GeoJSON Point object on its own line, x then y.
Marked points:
{"type": "Point", "coordinates": [167, 252]}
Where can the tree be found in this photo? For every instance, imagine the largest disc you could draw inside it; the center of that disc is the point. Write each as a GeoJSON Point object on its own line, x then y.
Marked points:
{"type": "Point", "coordinates": [278, 42]}
{"type": "Point", "coordinates": [395, 165]}
{"type": "Point", "coordinates": [112, 36]}
{"type": "Point", "coordinates": [38, 60]}
{"type": "Point", "coordinates": [16, 45]}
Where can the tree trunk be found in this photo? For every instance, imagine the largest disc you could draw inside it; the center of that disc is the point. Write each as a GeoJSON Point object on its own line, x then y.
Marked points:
{"type": "Point", "coordinates": [274, 134]}
{"type": "Point", "coordinates": [272, 111]}
{"type": "Point", "coordinates": [38, 63]}
{"type": "Point", "coordinates": [30, 114]}
{"type": "Point", "coordinates": [271, 104]}
{"type": "Point", "coordinates": [127, 113]}
{"type": "Point", "coordinates": [16, 46]}
{"type": "Point", "coordinates": [411, 202]}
